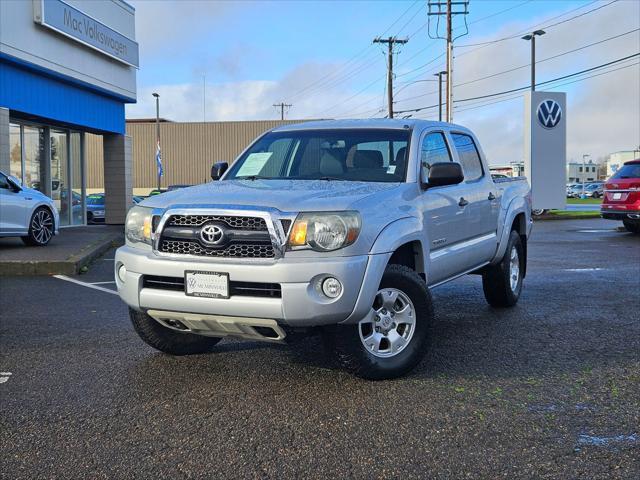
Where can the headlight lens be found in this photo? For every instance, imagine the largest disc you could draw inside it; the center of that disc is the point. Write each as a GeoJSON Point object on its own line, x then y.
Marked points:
{"type": "Point", "coordinates": [325, 231]}
{"type": "Point", "coordinates": [138, 225]}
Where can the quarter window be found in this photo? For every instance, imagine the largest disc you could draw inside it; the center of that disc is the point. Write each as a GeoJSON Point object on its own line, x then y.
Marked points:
{"type": "Point", "coordinates": [434, 150]}
{"type": "Point", "coordinates": [469, 156]}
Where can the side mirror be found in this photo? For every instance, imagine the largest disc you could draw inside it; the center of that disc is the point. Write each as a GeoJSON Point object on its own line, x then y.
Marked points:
{"type": "Point", "coordinates": [218, 169]}
{"type": "Point", "coordinates": [14, 184]}
{"type": "Point", "coordinates": [444, 173]}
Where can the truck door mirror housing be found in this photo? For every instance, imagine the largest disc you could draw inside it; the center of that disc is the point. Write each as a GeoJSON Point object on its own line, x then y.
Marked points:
{"type": "Point", "coordinates": [444, 173]}
{"type": "Point", "coordinates": [218, 169]}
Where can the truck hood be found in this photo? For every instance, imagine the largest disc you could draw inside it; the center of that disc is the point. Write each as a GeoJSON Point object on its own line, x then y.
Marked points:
{"type": "Point", "coordinates": [284, 195]}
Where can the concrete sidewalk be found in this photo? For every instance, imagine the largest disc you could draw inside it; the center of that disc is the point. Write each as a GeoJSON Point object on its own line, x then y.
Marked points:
{"type": "Point", "coordinates": [66, 254]}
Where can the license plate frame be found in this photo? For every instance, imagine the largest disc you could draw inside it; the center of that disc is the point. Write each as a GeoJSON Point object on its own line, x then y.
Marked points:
{"type": "Point", "coordinates": [617, 196]}
{"type": "Point", "coordinates": [191, 284]}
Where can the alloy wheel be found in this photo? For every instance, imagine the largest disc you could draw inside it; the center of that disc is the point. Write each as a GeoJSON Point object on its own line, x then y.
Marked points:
{"type": "Point", "coordinates": [42, 226]}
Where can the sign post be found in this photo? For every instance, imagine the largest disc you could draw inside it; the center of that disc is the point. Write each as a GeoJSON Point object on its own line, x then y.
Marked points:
{"type": "Point", "coordinates": [545, 148]}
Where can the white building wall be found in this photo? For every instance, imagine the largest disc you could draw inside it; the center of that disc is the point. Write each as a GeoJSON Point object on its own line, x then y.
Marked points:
{"type": "Point", "coordinates": [53, 51]}
{"type": "Point", "coordinates": [617, 159]}
{"type": "Point", "coordinates": [577, 174]}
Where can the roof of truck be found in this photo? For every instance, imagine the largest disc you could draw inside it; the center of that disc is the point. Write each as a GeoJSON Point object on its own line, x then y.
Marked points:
{"type": "Point", "coordinates": [393, 123]}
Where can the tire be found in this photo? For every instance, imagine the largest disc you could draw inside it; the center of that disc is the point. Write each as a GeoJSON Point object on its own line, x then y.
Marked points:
{"type": "Point", "coordinates": [497, 283]}
{"type": "Point", "coordinates": [41, 228]}
{"type": "Point", "coordinates": [167, 340]}
{"type": "Point", "coordinates": [537, 212]}
{"type": "Point", "coordinates": [631, 226]}
{"type": "Point", "coordinates": [89, 218]}
{"type": "Point", "coordinates": [347, 342]}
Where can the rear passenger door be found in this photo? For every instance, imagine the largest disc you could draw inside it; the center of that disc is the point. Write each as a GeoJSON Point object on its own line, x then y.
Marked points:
{"type": "Point", "coordinates": [444, 218]}
{"type": "Point", "coordinates": [482, 207]}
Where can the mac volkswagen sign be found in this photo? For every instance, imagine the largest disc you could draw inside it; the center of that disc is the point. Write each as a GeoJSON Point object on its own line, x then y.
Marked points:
{"type": "Point", "coordinates": [549, 113]}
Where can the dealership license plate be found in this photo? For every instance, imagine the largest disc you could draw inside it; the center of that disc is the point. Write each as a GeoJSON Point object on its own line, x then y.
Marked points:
{"type": "Point", "coordinates": [206, 284]}
{"type": "Point", "coordinates": [617, 196]}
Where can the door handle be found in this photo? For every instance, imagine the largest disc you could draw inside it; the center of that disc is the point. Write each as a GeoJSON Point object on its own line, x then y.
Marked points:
{"type": "Point", "coordinates": [463, 202]}
{"type": "Point", "coordinates": [491, 196]}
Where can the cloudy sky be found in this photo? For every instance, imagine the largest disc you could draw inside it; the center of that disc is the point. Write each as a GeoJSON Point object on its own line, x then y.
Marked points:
{"type": "Point", "coordinates": [234, 60]}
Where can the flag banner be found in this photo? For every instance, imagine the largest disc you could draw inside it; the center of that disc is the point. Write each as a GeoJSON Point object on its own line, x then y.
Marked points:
{"type": "Point", "coordinates": [159, 160]}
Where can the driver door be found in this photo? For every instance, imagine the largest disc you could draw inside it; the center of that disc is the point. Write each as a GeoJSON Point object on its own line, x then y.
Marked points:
{"type": "Point", "coordinates": [13, 208]}
{"type": "Point", "coordinates": [444, 212]}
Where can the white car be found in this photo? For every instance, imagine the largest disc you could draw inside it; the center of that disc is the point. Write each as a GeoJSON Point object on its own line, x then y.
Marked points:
{"type": "Point", "coordinates": [26, 213]}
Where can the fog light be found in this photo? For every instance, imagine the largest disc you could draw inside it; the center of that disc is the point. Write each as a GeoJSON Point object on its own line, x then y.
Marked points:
{"type": "Point", "coordinates": [122, 273]}
{"type": "Point", "coordinates": [331, 287]}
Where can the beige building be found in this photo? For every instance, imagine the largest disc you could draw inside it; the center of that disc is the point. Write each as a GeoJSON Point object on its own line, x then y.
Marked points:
{"type": "Point", "coordinates": [577, 172]}
{"type": "Point", "coordinates": [617, 159]}
{"type": "Point", "coordinates": [188, 151]}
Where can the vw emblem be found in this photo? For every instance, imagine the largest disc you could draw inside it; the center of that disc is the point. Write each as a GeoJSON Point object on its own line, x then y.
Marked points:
{"type": "Point", "coordinates": [212, 234]}
{"type": "Point", "coordinates": [549, 113]}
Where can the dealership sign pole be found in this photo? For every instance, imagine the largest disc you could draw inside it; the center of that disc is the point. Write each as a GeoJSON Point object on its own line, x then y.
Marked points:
{"type": "Point", "coordinates": [545, 148]}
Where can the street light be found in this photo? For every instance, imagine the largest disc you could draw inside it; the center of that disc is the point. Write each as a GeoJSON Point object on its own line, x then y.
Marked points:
{"type": "Point", "coordinates": [439, 75]}
{"type": "Point", "coordinates": [583, 172]}
{"type": "Point", "coordinates": [532, 37]}
{"type": "Point", "coordinates": [157, 96]}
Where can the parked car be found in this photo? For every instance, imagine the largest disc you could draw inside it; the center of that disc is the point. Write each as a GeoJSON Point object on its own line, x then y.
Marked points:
{"type": "Point", "coordinates": [594, 190]}
{"type": "Point", "coordinates": [26, 213]}
{"type": "Point", "coordinates": [622, 196]}
{"type": "Point", "coordinates": [340, 227]}
{"type": "Point", "coordinates": [95, 208]}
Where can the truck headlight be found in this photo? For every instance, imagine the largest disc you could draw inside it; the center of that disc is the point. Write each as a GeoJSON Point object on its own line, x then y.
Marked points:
{"type": "Point", "coordinates": [325, 231]}
{"type": "Point", "coordinates": [138, 225]}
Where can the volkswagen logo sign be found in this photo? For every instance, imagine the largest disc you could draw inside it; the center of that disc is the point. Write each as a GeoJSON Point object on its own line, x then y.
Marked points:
{"type": "Point", "coordinates": [549, 113]}
{"type": "Point", "coordinates": [212, 234]}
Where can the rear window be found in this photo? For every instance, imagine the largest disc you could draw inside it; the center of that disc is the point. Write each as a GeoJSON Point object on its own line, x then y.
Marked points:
{"type": "Point", "coordinates": [628, 171]}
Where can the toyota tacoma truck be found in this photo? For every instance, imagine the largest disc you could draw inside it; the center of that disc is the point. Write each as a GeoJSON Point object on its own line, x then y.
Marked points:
{"type": "Point", "coordinates": [337, 227]}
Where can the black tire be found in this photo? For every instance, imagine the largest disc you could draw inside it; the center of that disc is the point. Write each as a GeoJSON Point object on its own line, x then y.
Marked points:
{"type": "Point", "coordinates": [631, 226]}
{"type": "Point", "coordinates": [538, 212]}
{"type": "Point", "coordinates": [41, 228]}
{"type": "Point", "coordinates": [496, 279]}
{"type": "Point", "coordinates": [350, 353]}
{"type": "Point", "coordinates": [167, 340]}
{"type": "Point", "coordinates": [89, 218]}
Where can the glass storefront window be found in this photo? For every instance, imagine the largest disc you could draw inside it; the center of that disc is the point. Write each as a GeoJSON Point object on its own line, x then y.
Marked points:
{"type": "Point", "coordinates": [15, 151]}
{"type": "Point", "coordinates": [77, 217]}
{"type": "Point", "coordinates": [60, 192]}
{"type": "Point", "coordinates": [34, 158]}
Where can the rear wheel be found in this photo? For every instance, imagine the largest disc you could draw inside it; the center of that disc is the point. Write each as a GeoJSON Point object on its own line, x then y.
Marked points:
{"type": "Point", "coordinates": [631, 226]}
{"type": "Point", "coordinates": [393, 337]}
{"type": "Point", "coordinates": [502, 283]}
{"type": "Point", "coordinates": [538, 211]}
{"type": "Point", "coordinates": [41, 228]}
{"type": "Point", "coordinates": [167, 340]}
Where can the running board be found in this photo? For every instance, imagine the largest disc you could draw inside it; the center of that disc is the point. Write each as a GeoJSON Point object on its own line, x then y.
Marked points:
{"type": "Point", "coordinates": [221, 326]}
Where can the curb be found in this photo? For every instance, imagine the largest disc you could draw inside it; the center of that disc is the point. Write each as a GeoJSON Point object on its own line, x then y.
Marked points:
{"type": "Point", "coordinates": [70, 266]}
{"type": "Point", "coordinates": [566, 217]}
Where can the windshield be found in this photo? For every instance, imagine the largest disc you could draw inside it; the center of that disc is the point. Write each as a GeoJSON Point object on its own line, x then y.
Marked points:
{"type": "Point", "coordinates": [343, 154]}
{"type": "Point", "coordinates": [95, 200]}
{"type": "Point", "coordinates": [631, 170]}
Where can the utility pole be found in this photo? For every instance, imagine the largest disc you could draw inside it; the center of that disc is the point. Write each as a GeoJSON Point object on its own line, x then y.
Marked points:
{"type": "Point", "coordinates": [532, 38]}
{"type": "Point", "coordinates": [391, 41]}
{"type": "Point", "coordinates": [584, 157]}
{"type": "Point", "coordinates": [449, 13]}
{"type": "Point", "coordinates": [282, 106]}
{"type": "Point", "coordinates": [204, 97]}
{"type": "Point", "coordinates": [439, 75]}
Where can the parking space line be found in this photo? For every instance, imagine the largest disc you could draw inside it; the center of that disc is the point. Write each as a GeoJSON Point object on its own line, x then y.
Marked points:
{"type": "Point", "coordinates": [102, 283]}
{"type": "Point", "coordinates": [84, 284]}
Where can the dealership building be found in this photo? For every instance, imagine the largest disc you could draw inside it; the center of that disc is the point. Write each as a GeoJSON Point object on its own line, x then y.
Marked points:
{"type": "Point", "coordinates": [67, 69]}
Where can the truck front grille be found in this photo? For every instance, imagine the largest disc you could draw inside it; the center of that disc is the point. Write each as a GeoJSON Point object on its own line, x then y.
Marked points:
{"type": "Point", "coordinates": [242, 237]}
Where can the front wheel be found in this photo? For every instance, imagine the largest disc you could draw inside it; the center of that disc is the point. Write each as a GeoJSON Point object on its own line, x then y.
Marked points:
{"type": "Point", "coordinates": [631, 227]}
{"type": "Point", "coordinates": [393, 337]}
{"type": "Point", "coordinates": [502, 283]}
{"type": "Point", "coordinates": [41, 228]}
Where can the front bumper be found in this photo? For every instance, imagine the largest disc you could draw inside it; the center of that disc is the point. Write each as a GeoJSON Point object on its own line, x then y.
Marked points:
{"type": "Point", "coordinates": [626, 215]}
{"type": "Point", "coordinates": [300, 304]}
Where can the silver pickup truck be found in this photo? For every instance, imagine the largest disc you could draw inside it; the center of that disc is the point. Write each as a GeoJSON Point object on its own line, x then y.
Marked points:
{"type": "Point", "coordinates": [337, 227]}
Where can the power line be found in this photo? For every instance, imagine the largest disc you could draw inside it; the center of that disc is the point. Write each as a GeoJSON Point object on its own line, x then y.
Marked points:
{"type": "Point", "coordinates": [391, 42]}
{"type": "Point", "coordinates": [282, 106]}
{"type": "Point", "coordinates": [613, 62]}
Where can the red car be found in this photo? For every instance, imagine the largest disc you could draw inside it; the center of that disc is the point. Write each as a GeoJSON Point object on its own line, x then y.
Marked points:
{"type": "Point", "coordinates": [622, 196]}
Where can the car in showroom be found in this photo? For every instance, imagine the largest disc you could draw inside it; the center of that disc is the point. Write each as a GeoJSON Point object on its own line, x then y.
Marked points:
{"type": "Point", "coordinates": [96, 210]}
{"type": "Point", "coordinates": [26, 213]}
{"type": "Point", "coordinates": [622, 196]}
{"type": "Point", "coordinates": [335, 227]}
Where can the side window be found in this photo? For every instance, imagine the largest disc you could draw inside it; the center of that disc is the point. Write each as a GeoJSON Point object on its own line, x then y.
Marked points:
{"type": "Point", "coordinates": [434, 150]}
{"type": "Point", "coordinates": [469, 156]}
{"type": "Point", "coordinates": [3, 181]}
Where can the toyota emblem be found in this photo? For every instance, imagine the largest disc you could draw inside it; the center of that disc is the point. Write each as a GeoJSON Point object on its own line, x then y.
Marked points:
{"type": "Point", "coordinates": [212, 234]}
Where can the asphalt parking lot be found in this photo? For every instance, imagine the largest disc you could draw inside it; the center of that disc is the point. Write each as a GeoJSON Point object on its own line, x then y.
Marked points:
{"type": "Point", "coordinates": [548, 389]}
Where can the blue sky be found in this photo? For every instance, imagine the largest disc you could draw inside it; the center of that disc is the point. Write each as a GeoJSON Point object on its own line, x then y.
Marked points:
{"type": "Point", "coordinates": [257, 53]}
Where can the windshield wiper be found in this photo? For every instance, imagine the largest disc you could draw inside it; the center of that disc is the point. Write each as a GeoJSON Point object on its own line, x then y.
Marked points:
{"type": "Point", "coordinates": [253, 177]}
{"type": "Point", "coordinates": [330, 178]}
